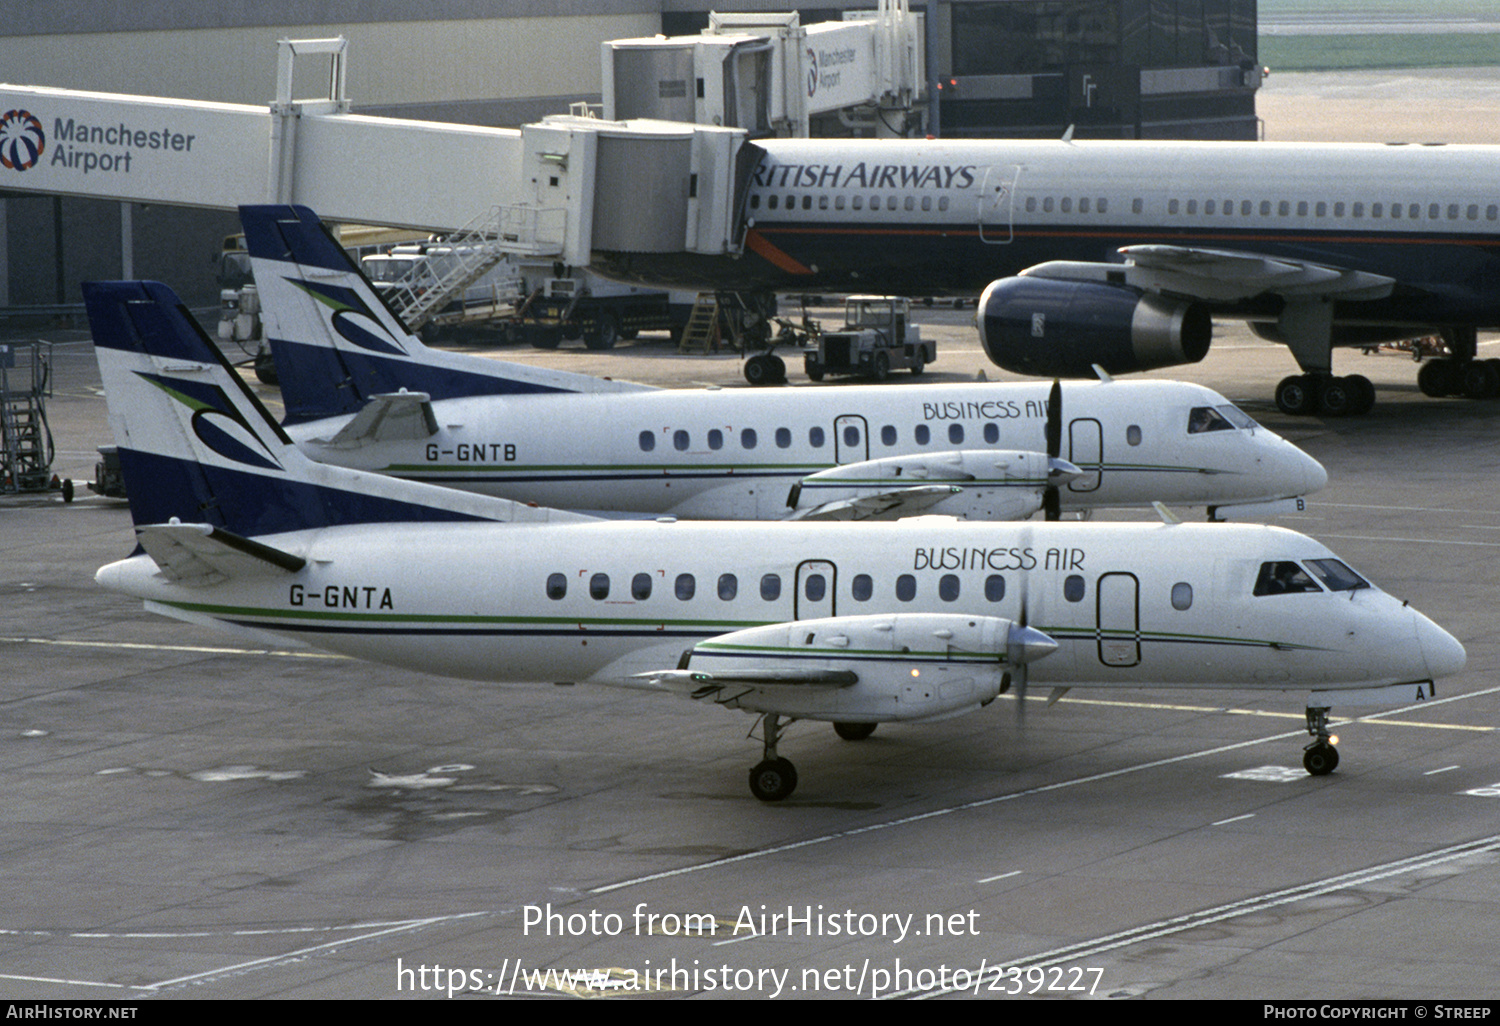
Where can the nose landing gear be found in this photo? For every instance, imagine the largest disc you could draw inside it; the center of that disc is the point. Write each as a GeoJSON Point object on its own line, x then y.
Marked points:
{"type": "Point", "coordinates": [773, 778]}
{"type": "Point", "coordinates": [1321, 757]}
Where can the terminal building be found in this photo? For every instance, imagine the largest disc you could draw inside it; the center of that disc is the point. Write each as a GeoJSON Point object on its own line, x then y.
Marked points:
{"type": "Point", "coordinates": [994, 68]}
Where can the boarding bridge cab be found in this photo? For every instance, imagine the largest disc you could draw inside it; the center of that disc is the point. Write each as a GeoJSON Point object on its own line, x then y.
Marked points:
{"type": "Point", "coordinates": [628, 187]}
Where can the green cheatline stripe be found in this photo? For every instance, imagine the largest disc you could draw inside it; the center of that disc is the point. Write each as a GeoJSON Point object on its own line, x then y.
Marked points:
{"type": "Point", "coordinates": [850, 653]}
{"type": "Point", "coordinates": [1083, 633]}
{"type": "Point", "coordinates": [652, 468]}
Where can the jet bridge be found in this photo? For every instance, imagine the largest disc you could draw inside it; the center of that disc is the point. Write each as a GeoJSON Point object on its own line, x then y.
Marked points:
{"type": "Point", "coordinates": [563, 187]}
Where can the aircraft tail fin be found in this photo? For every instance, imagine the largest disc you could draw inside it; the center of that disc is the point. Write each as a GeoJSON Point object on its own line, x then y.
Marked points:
{"type": "Point", "coordinates": [196, 446]}
{"type": "Point", "coordinates": [336, 341]}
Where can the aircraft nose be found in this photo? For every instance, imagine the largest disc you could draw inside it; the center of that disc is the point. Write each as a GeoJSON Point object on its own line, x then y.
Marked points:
{"type": "Point", "coordinates": [1306, 471]}
{"type": "Point", "coordinates": [1441, 651]}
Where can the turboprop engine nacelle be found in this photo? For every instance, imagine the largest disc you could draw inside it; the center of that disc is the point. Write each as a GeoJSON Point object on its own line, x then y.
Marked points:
{"type": "Point", "coordinates": [1053, 327]}
{"type": "Point", "coordinates": [918, 666]}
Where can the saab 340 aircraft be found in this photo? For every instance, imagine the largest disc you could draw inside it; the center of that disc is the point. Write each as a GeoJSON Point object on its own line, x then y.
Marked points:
{"type": "Point", "coordinates": [857, 624]}
{"type": "Point", "coordinates": [362, 392]}
{"type": "Point", "coordinates": [1119, 253]}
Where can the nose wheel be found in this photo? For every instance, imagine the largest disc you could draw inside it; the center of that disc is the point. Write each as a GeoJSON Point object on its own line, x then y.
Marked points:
{"type": "Point", "coordinates": [1319, 758]}
{"type": "Point", "coordinates": [773, 779]}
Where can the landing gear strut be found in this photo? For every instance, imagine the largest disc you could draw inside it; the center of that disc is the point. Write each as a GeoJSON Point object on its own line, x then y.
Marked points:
{"type": "Point", "coordinates": [1319, 758]}
{"type": "Point", "coordinates": [774, 778]}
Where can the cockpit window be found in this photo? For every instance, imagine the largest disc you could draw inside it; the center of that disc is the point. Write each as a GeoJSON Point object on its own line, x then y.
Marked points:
{"type": "Point", "coordinates": [1203, 419]}
{"type": "Point", "coordinates": [1336, 576]}
{"type": "Point", "coordinates": [1284, 578]}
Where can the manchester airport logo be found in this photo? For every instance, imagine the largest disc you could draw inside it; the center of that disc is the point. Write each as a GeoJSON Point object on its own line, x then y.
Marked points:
{"type": "Point", "coordinates": [22, 140]}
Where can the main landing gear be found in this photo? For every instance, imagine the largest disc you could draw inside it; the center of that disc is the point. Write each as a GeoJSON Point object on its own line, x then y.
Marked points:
{"type": "Point", "coordinates": [773, 779]}
{"type": "Point", "coordinates": [1476, 379]}
{"type": "Point", "coordinates": [1319, 758]}
{"type": "Point", "coordinates": [1304, 394]}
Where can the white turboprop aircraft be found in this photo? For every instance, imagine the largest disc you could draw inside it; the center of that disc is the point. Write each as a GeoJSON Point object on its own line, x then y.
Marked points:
{"type": "Point", "coordinates": [856, 624]}
{"type": "Point", "coordinates": [360, 391]}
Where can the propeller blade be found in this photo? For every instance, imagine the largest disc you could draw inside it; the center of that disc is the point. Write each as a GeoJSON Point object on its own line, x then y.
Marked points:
{"type": "Point", "coordinates": [1054, 420]}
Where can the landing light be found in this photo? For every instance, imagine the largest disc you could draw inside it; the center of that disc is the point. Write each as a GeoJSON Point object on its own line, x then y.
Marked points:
{"type": "Point", "coordinates": [1333, 739]}
{"type": "Point", "coordinates": [916, 673]}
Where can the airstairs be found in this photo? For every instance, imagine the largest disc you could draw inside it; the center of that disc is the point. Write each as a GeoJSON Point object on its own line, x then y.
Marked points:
{"type": "Point", "coordinates": [459, 260]}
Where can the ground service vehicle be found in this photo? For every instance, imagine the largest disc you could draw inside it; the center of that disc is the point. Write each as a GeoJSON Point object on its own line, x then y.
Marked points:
{"type": "Point", "coordinates": [877, 338]}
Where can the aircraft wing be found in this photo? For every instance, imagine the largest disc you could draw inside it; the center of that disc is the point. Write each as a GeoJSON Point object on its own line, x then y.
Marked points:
{"type": "Point", "coordinates": [693, 680]}
{"type": "Point", "coordinates": [198, 555]}
{"type": "Point", "coordinates": [1221, 275]}
{"type": "Point", "coordinates": [888, 505]}
{"type": "Point", "coordinates": [393, 416]}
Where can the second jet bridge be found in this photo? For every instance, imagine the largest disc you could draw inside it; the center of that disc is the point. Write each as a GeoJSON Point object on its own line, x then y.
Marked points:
{"type": "Point", "coordinates": [651, 187]}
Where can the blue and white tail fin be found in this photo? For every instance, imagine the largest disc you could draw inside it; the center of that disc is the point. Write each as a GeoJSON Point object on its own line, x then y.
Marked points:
{"type": "Point", "coordinates": [337, 343]}
{"type": "Point", "coordinates": [197, 446]}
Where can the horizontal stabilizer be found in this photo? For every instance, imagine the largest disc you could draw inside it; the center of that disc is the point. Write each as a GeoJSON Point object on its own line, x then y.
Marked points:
{"type": "Point", "coordinates": [198, 555]}
{"type": "Point", "coordinates": [392, 417]}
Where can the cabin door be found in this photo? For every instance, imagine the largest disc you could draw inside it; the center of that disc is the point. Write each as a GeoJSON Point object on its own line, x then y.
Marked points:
{"type": "Point", "coordinates": [1086, 449]}
{"type": "Point", "coordinates": [814, 598]}
{"type": "Point", "coordinates": [996, 204]}
{"type": "Point", "coordinates": [851, 442]}
{"type": "Point", "coordinates": [1119, 630]}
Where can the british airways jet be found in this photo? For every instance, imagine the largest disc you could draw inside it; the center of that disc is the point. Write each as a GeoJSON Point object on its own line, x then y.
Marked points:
{"type": "Point", "coordinates": [854, 624]}
{"type": "Point", "coordinates": [360, 391]}
{"type": "Point", "coordinates": [1121, 253]}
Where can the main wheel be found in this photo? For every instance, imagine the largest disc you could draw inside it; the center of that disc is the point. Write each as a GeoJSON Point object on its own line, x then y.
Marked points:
{"type": "Point", "coordinates": [880, 366]}
{"type": "Point", "coordinates": [1364, 394]}
{"type": "Point", "coordinates": [1480, 380]}
{"type": "Point", "coordinates": [1320, 760]}
{"type": "Point", "coordinates": [1297, 395]}
{"type": "Point", "coordinates": [758, 370]}
{"type": "Point", "coordinates": [1438, 378]}
{"type": "Point", "coordinates": [1336, 398]}
{"type": "Point", "coordinates": [773, 780]}
{"type": "Point", "coordinates": [918, 359]}
{"type": "Point", "coordinates": [854, 731]}
{"type": "Point", "coordinates": [778, 369]}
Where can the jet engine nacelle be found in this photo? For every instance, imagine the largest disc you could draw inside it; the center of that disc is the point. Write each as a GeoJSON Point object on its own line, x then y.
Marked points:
{"type": "Point", "coordinates": [916, 666]}
{"type": "Point", "coordinates": [1052, 327]}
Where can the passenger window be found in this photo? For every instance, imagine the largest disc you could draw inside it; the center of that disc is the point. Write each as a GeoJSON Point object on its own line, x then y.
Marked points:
{"type": "Point", "coordinates": [1283, 578]}
{"type": "Point", "coordinates": [926, 202]}
{"type": "Point", "coordinates": [783, 438]}
{"type": "Point", "coordinates": [1133, 435]}
{"type": "Point", "coordinates": [770, 587]}
{"type": "Point", "coordinates": [815, 587]}
{"type": "Point", "coordinates": [771, 202]}
{"type": "Point", "coordinates": [815, 437]}
{"type": "Point", "coordinates": [948, 587]}
{"type": "Point", "coordinates": [686, 586]}
{"type": "Point", "coordinates": [1073, 588]}
{"type": "Point", "coordinates": [851, 435]}
{"type": "Point", "coordinates": [862, 587]}
{"type": "Point", "coordinates": [1031, 204]}
{"type": "Point", "coordinates": [747, 438]}
{"type": "Point", "coordinates": [648, 441]}
{"type": "Point", "coordinates": [1182, 596]}
{"type": "Point", "coordinates": [922, 434]}
{"type": "Point", "coordinates": [599, 586]}
{"type": "Point", "coordinates": [906, 587]}
{"type": "Point", "coordinates": [888, 435]}
{"type": "Point", "coordinates": [994, 588]}
{"type": "Point", "coordinates": [992, 432]}
{"type": "Point", "coordinates": [680, 440]}
{"type": "Point", "coordinates": [956, 433]}
{"type": "Point", "coordinates": [640, 587]}
{"type": "Point", "coordinates": [729, 587]}
{"type": "Point", "coordinates": [557, 586]}
{"type": "Point", "coordinates": [942, 203]}
{"type": "Point", "coordinates": [715, 439]}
